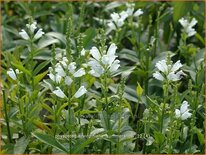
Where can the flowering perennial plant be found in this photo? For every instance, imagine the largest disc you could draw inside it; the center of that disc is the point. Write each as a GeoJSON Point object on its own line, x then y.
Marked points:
{"type": "Point", "coordinates": [131, 84]}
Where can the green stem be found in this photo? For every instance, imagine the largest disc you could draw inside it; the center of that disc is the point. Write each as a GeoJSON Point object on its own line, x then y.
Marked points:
{"type": "Point", "coordinates": [164, 104]}
{"type": "Point", "coordinates": [6, 116]}
{"type": "Point", "coordinates": [107, 107]}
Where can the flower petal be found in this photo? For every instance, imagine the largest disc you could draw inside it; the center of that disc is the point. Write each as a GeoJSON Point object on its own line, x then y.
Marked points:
{"type": "Point", "coordinates": [79, 73]}
{"type": "Point", "coordinates": [38, 34]}
{"type": "Point", "coordinates": [58, 92]}
{"type": "Point", "coordinates": [24, 34]}
{"type": "Point", "coordinates": [176, 66]}
{"type": "Point", "coordinates": [162, 66]}
{"type": "Point", "coordinates": [11, 74]}
{"type": "Point", "coordinates": [81, 91]}
{"type": "Point", "coordinates": [115, 65]}
{"type": "Point", "coordinates": [68, 81]}
{"type": "Point", "coordinates": [95, 53]}
{"type": "Point", "coordinates": [158, 76]}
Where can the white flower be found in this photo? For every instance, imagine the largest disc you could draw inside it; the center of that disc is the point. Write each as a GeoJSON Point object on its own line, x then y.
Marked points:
{"type": "Point", "coordinates": [58, 92]}
{"type": "Point", "coordinates": [83, 52]}
{"type": "Point", "coordinates": [117, 19]}
{"type": "Point", "coordinates": [38, 34]}
{"type": "Point", "coordinates": [72, 67]}
{"type": "Point", "coordinates": [158, 76]}
{"type": "Point", "coordinates": [12, 74]}
{"type": "Point", "coordinates": [79, 73]}
{"type": "Point", "coordinates": [81, 91]}
{"type": "Point", "coordinates": [95, 53]}
{"type": "Point", "coordinates": [31, 27]}
{"type": "Point", "coordinates": [188, 26]}
{"type": "Point", "coordinates": [138, 13]}
{"type": "Point", "coordinates": [99, 63]}
{"type": "Point", "coordinates": [183, 113]}
{"type": "Point", "coordinates": [64, 61]}
{"type": "Point", "coordinates": [114, 66]}
{"type": "Point", "coordinates": [68, 80]}
{"type": "Point", "coordinates": [59, 70]}
{"type": "Point", "coordinates": [168, 71]}
{"type": "Point", "coordinates": [24, 34]}
{"type": "Point", "coordinates": [56, 78]}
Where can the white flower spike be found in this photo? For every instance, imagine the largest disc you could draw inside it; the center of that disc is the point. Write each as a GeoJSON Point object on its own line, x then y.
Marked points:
{"type": "Point", "coordinates": [188, 26]}
{"type": "Point", "coordinates": [168, 71]}
{"type": "Point", "coordinates": [106, 61]}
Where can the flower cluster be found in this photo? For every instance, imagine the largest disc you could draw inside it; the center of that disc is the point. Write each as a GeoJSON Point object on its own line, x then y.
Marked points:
{"type": "Point", "coordinates": [168, 71]}
{"type": "Point", "coordinates": [13, 74]}
{"type": "Point", "coordinates": [183, 113]}
{"type": "Point", "coordinates": [65, 72]}
{"type": "Point", "coordinates": [31, 35]}
{"type": "Point", "coordinates": [188, 26]}
{"type": "Point", "coordinates": [118, 19]}
{"type": "Point", "coordinates": [100, 63]}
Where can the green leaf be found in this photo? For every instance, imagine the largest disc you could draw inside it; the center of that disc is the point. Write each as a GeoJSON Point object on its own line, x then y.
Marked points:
{"type": "Point", "coordinates": [49, 140]}
{"type": "Point", "coordinates": [197, 35]}
{"type": "Point", "coordinates": [139, 90]}
{"type": "Point", "coordinates": [44, 42]}
{"type": "Point", "coordinates": [19, 66]}
{"type": "Point", "coordinates": [39, 77]}
{"type": "Point", "coordinates": [40, 67]}
{"type": "Point", "coordinates": [159, 137]}
{"type": "Point", "coordinates": [180, 10]}
{"type": "Point", "coordinates": [57, 35]}
{"type": "Point", "coordinates": [20, 146]}
{"type": "Point", "coordinates": [90, 34]}
{"type": "Point", "coordinates": [199, 135]}
{"type": "Point", "coordinates": [79, 146]}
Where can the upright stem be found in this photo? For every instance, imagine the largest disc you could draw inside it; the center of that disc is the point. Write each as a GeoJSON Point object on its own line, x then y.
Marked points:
{"type": "Point", "coordinates": [6, 116]}
{"type": "Point", "coordinates": [107, 107]}
{"type": "Point", "coordinates": [164, 104]}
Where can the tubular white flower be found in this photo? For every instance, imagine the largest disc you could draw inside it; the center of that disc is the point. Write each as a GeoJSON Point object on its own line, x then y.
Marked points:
{"type": "Point", "coordinates": [31, 27]}
{"type": "Point", "coordinates": [162, 66]}
{"type": "Point", "coordinates": [115, 65]}
{"type": "Point", "coordinates": [72, 67]}
{"type": "Point", "coordinates": [79, 73]}
{"type": "Point", "coordinates": [24, 34]}
{"type": "Point", "coordinates": [68, 81]}
{"type": "Point", "coordinates": [168, 71]}
{"type": "Point", "coordinates": [187, 26]}
{"type": "Point", "coordinates": [183, 113]}
{"type": "Point", "coordinates": [95, 53]}
{"type": "Point", "coordinates": [58, 92]}
{"type": "Point", "coordinates": [38, 34]}
{"type": "Point", "coordinates": [11, 74]}
{"type": "Point", "coordinates": [158, 76]}
{"type": "Point", "coordinates": [59, 70]}
{"type": "Point", "coordinates": [56, 78]}
{"type": "Point", "coordinates": [81, 91]}
{"type": "Point", "coordinates": [176, 66]}
{"type": "Point", "coordinates": [138, 13]}
{"type": "Point", "coordinates": [106, 61]}
{"type": "Point", "coordinates": [83, 52]}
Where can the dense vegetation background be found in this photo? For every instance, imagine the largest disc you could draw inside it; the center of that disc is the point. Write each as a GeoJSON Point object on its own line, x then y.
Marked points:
{"type": "Point", "coordinates": [33, 117]}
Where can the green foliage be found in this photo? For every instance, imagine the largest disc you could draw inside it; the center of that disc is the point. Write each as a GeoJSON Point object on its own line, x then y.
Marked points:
{"type": "Point", "coordinates": [125, 109]}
